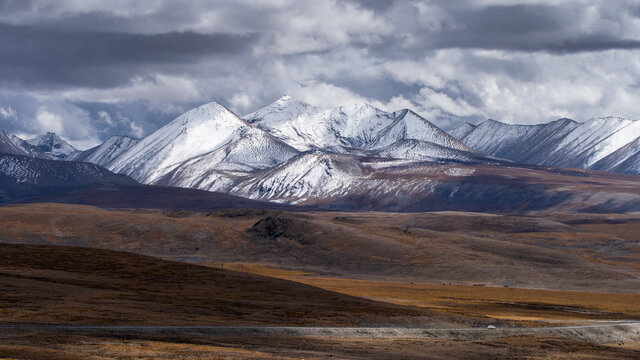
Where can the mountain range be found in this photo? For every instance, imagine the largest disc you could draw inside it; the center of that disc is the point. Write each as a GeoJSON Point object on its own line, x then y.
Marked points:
{"type": "Point", "coordinates": [360, 157]}
{"type": "Point", "coordinates": [606, 144]}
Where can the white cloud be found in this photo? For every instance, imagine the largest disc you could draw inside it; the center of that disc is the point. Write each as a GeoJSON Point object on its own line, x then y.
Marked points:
{"type": "Point", "coordinates": [8, 113]}
{"type": "Point", "coordinates": [49, 121]}
{"type": "Point", "coordinates": [136, 130]}
{"type": "Point", "coordinates": [240, 102]}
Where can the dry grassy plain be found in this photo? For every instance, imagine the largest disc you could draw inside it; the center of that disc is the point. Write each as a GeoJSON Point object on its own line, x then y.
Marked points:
{"type": "Point", "coordinates": [592, 253]}
{"type": "Point", "coordinates": [334, 269]}
{"type": "Point", "coordinates": [475, 301]}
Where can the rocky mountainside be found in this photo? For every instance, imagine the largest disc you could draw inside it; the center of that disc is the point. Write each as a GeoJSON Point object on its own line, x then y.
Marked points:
{"type": "Point", "coordinates": [52, 146]}
{"type": "Point", "coordinates": [25, 176]}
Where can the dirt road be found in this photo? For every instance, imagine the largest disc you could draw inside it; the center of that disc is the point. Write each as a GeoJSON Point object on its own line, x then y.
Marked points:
{"type": "Point", "coordinates": [599, 333]}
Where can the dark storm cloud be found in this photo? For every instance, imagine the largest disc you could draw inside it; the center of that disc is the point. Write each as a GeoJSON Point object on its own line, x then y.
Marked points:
{"type": "Point", "coordinates": [376, 5]}
{"type": "Point", "coordinates": [527, 28]}
{"type": "Point", "coordinates": [41, 56]}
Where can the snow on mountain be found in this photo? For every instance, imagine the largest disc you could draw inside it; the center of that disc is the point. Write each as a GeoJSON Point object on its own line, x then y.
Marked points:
{"type": "Point", "coordinates": [564, 142]}
{"type": "Point", "coordinates": [497, 139]}
{"type": "Point", "coordinates": [196, 132]}
{"type": "Point", "coordinates": [423, 150]}
{"type": "Point", "coordinates": [624, 160]}
{"type": "Point", "coordinates": [611, 143]}
{"type": "Point", "coordinates": [106, 152]}
{"type": "Point", "coordinates": [12, 144]}
{"type": "Point", "coordinates": [52, 146]}
{"type": "Point", "coordinates": [520, 143]}
{"type": "Point", "coordinates": [593, 140]}
{"type": "Point", "coordinates": [317, 177]}
{"type": "Point", "coordinates": [461, 131]}
{"type": "Point", "coordinates": [314, 174]}
{"type": "Point", "coordinates": [25, 176]}
{"type": "Point", "coordinates": [212, 149]}
{"type": "Point", "coordinates": [284, 118]}
{"type": "Point", "coordinates": [358, 126]}
{"type": "Point", "coordinates": [219, 169]}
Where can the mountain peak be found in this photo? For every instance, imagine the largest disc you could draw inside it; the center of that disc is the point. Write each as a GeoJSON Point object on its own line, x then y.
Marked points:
{"type": "Point", "coordinates": [358, 106]}
{"type": "Point", "coordinates": [52, 145]}
{"type": "Point", "coordinates": [285, 98]}
{"type": "Point", "coordinates": [196, 132]}
{"type": "Point", "coordinates": [46, 138]}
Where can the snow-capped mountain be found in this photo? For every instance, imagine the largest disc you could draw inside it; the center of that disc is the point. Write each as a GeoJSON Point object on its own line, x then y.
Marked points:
{"type": "Point", "coordinates": [563, 142]}
{"type": "Point", "coordinates": [196, 132]}
{"type": "Point", "coordinates": [52, 146]}
{"type": "Point", "coordinates": [12, 144]}
{"type": "Point", "coordinates": [360, 157]}
{"type": "Point", "coordinates": [357, 126]}
{"type": "Point", "coordinates": [106, 152]}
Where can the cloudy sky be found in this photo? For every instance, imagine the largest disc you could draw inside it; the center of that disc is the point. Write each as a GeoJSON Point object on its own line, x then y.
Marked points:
{"type": "Point", "coordinates": [88, 69]}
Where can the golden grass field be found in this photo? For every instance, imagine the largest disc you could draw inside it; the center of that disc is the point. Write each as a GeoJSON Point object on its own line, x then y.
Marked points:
{"type": "Point", "coordinates": [475, 301]}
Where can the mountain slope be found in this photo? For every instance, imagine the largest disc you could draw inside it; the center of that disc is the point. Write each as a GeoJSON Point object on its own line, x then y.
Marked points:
{"type": "Point", "coordinates": [106, 152]}
{"type": "Point", "coordinates": [625, 160]}
{"type": "Point", "coordinates": [314, 174]}
{"type": "Point", "coordinates": [24, 176]}
{"type": "Point", "coordinates": [11, 144]}
{"type": "Point", "coordinates": [52, 146]}
{"type": "Point", "coordinates": [562, 143]}
{"type": "Point", "coordinates": [218, 170]}
{"type": "Point", "coordinates": [462, 131]}
{"type": "Point", "coordinates": [340, 181]}
{"type": "Point", "coordinates": [196, 132]}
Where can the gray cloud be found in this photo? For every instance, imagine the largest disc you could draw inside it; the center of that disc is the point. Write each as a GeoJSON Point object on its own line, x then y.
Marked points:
{"type": "Point", "coordinates": [36, 55]}
{"type": "Point", "coordinates": [93, 69]}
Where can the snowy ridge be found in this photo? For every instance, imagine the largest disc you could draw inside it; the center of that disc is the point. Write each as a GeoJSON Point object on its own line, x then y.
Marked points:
{"type": "Point", "coordinates": [423, 150]}
{"type": "Point", "coordinates": [12, 144]}
{"type": "Point", "coordinates": [106, 152]}
{"type": "Point", "coordinates": [319, 176]}
{"type": "Point", "coordinates": [564, 142]}
{"type": "Point", "coordinates": [624, 160]}
{"type": "Point", "coordinates": [358, 126]}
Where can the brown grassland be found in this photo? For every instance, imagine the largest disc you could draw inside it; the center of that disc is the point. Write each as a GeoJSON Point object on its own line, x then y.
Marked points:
{"type": "Point", "coordinates": [65, 264]}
